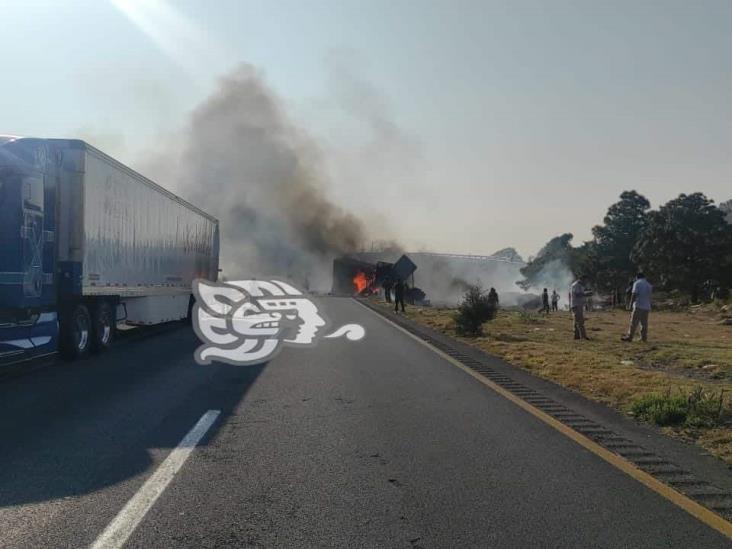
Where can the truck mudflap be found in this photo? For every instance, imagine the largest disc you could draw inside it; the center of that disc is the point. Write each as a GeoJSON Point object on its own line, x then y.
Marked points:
{"type": "Point", "coordinates": [25, 341]}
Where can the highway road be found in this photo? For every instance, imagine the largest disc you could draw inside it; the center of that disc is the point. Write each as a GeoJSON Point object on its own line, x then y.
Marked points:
{"type": "Point", "coordinates": [375, 443]}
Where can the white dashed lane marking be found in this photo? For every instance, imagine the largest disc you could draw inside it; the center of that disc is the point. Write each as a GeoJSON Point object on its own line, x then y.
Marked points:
{"type": "Point", "coordinates": [120, 529]}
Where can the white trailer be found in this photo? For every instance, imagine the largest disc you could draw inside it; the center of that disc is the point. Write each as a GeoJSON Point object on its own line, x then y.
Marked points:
{"type": "Point", "coordinates": [106, 243]}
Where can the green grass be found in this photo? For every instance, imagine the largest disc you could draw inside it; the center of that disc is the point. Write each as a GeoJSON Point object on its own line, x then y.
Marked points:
{"type": "Point", "coordinates": [698, 408]}
{"type": "Point", "coordinates": [661, 409]}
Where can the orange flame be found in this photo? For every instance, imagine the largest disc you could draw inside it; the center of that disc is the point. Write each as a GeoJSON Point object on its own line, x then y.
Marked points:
{"type": "Point", "coordinates": [361, 281]}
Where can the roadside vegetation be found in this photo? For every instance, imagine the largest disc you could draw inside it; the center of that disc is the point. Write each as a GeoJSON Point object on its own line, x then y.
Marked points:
{"type": "Point", "coordinates": [698, 408]}
{"type": "Point", "coordinates": [685, 246]}
{"type": "Point", "coordinates": [475, 309]}
{"type": "Point", "coordinates": [680, 380]}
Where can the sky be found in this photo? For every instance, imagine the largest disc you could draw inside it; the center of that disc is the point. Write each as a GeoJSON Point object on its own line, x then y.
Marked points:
{"type": "Point", "coordinates": [452, 126]}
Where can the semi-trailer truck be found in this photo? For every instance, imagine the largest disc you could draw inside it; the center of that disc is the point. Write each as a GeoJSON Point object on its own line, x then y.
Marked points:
{"type": "Point", "coordinates": [87, 243]}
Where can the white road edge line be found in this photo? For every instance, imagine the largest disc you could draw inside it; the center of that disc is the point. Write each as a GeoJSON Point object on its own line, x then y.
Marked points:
{"type": "Point", "coordinates": [116, 534]}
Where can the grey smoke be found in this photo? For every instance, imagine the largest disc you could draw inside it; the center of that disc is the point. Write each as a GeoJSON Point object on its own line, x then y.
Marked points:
{"type": "Point", "coordinates": [555, 275]}
{"type": "Point", "coordinates": [242, 160]}
{"type": "Point", "coordinates": [445, 279]}
{"type": "Point", "coordinates": [358, 98]}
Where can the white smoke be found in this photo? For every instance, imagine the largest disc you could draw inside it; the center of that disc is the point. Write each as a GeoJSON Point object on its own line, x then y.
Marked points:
{"type": "Point", "coordinates": [554, 276]}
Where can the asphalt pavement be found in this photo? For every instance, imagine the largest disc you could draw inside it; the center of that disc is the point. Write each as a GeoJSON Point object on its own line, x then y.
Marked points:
{"type": "Point", "coordinates": [373, 443]}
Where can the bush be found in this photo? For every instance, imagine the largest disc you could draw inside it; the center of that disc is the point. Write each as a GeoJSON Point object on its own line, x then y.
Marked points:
{"type": "Point", "coordinates": [698, 408]}
{"type": "Point", "coordinates": [473, 311]}
{"type": "Point", "coordinates": [661, 409]}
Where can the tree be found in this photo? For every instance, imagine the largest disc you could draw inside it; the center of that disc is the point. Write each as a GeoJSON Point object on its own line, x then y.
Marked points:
{"type": "Point", "coordinates": [609, 261]}
{"type": "Point", "coordinates": [726, 207]}
{"type": "Point", "coordinates": [551, 266]}
{"type": "Point", "coordinates": [686, 243]}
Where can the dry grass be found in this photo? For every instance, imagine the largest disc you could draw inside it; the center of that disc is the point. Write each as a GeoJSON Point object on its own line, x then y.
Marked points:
{"type": "Point", "coordinates": [686, 350]}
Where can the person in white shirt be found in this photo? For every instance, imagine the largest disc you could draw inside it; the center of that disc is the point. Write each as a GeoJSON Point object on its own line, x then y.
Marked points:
{"type": "Point", "coordinates": [555, 300]}
{"type": "Point", "coordinates": [577, 295]}
{"type": "Point", "coordinates": [640, 300]}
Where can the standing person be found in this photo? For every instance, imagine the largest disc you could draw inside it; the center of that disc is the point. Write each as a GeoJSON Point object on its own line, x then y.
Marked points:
{"type": "Point", "coordinates": [577, 295]}
{"type": "Point", "coordinates": [399, 295]}
{"type": "Point", "coordinates": [555, 300]}
{"type": "Point", "coordinates": [493, 297]}
{"type": "Point", "coordinates": [640, 300]}
{"type": "Point", "coordinates": [544, 301]}
{"type": "Point", "coordinates": [387, 284]}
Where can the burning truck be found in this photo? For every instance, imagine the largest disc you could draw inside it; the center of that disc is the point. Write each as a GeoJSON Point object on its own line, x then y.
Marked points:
{"type": "Point", "coordinates": [356, 277]}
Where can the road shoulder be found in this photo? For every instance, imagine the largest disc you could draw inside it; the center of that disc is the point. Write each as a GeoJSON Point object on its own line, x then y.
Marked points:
{"type": "Point", "coordinates": [686, 468]}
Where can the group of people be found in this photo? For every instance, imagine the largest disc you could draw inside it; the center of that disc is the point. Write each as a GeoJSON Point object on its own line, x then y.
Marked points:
{"type": "Point", "coordinates": [545, 299]}
{"type": "Point", "coordinates": [639, 304]}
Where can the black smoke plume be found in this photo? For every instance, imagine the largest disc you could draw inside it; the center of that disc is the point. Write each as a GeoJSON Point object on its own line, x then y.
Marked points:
{"type": "Point", "coordinates": [243, 161]}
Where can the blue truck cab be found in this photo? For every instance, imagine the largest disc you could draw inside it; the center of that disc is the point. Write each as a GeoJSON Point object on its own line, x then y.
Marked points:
{"type": "Point", "coordinates": [28, 296]}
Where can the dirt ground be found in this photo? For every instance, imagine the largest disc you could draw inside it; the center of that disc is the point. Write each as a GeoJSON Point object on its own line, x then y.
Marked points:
{"type": "Point", "coordinates": [685, 350]}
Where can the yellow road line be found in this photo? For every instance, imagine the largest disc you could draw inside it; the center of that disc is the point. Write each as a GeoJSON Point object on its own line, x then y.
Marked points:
{"type": "Point", "coordinates": [708, 517]}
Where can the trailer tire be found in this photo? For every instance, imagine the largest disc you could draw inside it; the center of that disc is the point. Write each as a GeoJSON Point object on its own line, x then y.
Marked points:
{"type": "Point", "coordinates": [76, 328]}
{"type": "Point", "coordinates": [103, 325]}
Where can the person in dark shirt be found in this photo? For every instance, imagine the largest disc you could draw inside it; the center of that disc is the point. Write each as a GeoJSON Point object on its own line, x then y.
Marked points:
{"type": "Point", "coordinates": [493, 297]}
{"type": "Point", "coordinates": [399, 289]}
{"type": "Point", "coordinates": [545, 302]}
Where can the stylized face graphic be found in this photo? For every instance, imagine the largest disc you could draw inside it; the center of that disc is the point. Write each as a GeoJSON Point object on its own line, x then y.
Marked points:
{"type": "Point", "coordinates": [270, 317]}
{"type": "Point", "coordinates": [244, 321]}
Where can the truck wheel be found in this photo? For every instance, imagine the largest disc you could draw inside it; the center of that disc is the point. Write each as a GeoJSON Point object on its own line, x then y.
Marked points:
{"type": "Point", "coordinates": [76, 332]}
{"type": "Point", "coordinates": [103, 324]}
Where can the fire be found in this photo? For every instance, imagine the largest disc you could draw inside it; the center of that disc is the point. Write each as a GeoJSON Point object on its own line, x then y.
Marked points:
{"type": "Point", "coordinates": [361, 281]}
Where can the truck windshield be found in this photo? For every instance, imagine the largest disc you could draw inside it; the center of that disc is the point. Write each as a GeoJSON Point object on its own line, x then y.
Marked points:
{"type": "Point", "coordinates": [30, 189]}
